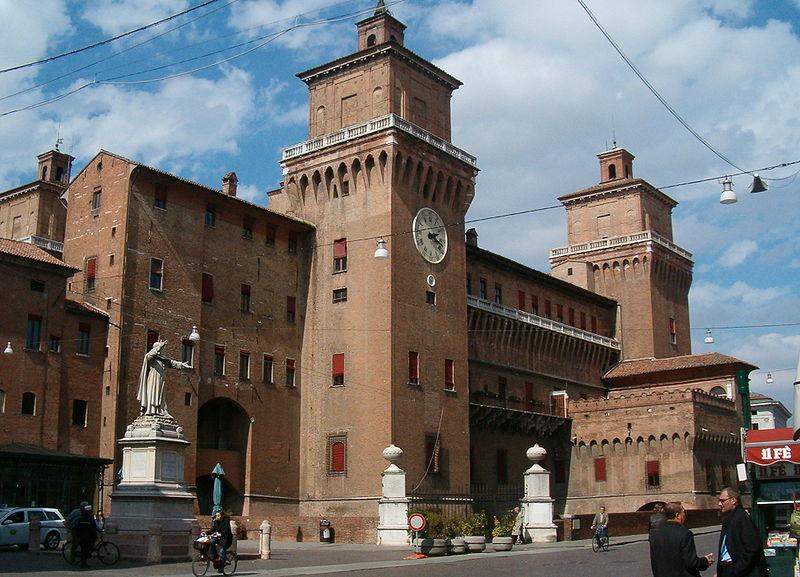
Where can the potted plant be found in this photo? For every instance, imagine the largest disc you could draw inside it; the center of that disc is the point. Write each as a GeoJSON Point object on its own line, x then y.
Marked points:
{"type": "Point", "coordinates": [474, 531]}
{"type": "Point", "coordinates": [501, 532]}
{"type": "Point", "coordinates": [455, 543]}
{"type": "Point", "coordinates": [433, 540]}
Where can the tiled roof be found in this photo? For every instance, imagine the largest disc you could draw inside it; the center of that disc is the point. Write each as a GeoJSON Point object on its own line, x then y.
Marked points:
{"type": "Point", "coordinates": [650, 365]}
{"type": "Point", "coordinates": [85, 308]}
{"type": "Point", "coordinates": [759, 396]}
{"type": "Point", "coordinates": [29, 251]}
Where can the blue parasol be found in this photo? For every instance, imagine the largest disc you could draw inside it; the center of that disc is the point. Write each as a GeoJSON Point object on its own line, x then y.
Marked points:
{"type": "Point", "coordinates": [217, 473]}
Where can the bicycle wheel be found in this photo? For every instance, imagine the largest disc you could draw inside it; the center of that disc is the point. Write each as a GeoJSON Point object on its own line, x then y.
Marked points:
{"type": "Point", "coordinates": [595, 543]}
{"type": "Point", "coordinates": [108, 553]}
{"type": "Point", "coordinates": [200, 565]}
{"type": "Point", "coordinates": [605, 544]}
{"type": "Point", "coordinates": [231, 561]}
{"type": "Point", "coordinates": [66, 552]}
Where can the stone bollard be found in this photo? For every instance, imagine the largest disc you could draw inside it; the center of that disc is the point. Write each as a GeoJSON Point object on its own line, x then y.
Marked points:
{"type": "Point", "coordinates": [266, 540]}
{"type": "Point", "coordinates": [234, 532]}
{"type": "Point", "coordinates": [34, 535]}
{"type": "Point", "coordinates": [154, 544]}
{"type": "Point", "coordinates": [194, 534]}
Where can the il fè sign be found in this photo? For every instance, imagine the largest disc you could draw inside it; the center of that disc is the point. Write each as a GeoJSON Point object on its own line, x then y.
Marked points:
{"type": "Point", "coordinates": [778, 471]}
{"type": "Point", "coordinates": [764, 455]}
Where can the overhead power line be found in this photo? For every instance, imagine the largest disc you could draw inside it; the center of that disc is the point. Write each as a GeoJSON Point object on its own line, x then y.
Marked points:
{"type": "Point", "coordinates": [107, 40]}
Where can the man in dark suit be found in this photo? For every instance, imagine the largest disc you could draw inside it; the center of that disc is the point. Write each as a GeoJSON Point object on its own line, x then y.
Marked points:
{"type": "Point", "coordinates": [741, 553]}
{"type": "Point", "coordinates": [672, 550]}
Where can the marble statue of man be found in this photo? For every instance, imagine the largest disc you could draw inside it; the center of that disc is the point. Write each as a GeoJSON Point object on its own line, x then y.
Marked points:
{"type": "Point", "coordinates": [153, 378]}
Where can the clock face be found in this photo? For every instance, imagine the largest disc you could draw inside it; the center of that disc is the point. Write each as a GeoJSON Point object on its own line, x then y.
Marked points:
{"type": "Point", "coordinates": [430, 235]}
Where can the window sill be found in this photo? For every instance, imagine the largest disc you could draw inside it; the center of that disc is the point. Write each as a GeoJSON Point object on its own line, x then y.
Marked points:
{"type": "Point", "coordinates": [156, 290]}
{"type": "Point", "coordinates": [210, 226]}
{"type": "Point", "coordinates": [95, 212]}
{"type": "Point", "coordinates": [163, 208]}
{"type": "Point", "coordinates": [450, 391]}
{"type": "Point", "coordinates": [207, 303]}
{"type": "Point", "coordinates": [414, 384]}
{"type": "Point", "coordinates": [269, 383]}
{"type": "Point", "coordinates": [246, 237]}
{"type": "Point", "coordinates": [339, 271]}
{"type": "Point", "coordinates": [82, 355]}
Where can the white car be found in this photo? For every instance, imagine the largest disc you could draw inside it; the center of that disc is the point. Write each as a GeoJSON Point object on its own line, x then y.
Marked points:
{"type": "Point", "coordinates": [14, 524]}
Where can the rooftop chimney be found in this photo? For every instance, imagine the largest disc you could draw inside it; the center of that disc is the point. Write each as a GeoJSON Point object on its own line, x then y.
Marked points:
{"type": "Point", "coordinates": [472, 237]}
{"type": "Point", "coordinates": [229, 182]}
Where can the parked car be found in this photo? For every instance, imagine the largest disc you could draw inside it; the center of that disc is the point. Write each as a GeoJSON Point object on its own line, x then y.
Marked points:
{"type": "Point", "coordinates": [15, 522]}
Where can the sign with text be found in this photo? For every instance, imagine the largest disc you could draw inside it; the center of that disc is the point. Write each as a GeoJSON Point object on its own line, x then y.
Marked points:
{"type": "Point", "coordinates": [778, 471]}
{"type": "Point", "coordinates": [770, 454]}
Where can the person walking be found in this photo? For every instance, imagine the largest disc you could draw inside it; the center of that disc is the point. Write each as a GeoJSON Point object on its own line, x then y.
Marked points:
{"type": "Point", "coordinates": [672, 548]}
{"type": "Point", "coordinates": [71, 522]}
{"type": "Point", "coordinates": [86, 531]}
{"type": "Point", "coordinates": [517, 533]}
{"type": "Point", "coordinates": [600, 523]}
{"type": "Point", "coordinates": [740, 548]}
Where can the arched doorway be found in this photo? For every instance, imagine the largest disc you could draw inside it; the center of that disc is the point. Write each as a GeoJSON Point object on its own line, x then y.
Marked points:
{"type": "Point", "coordinates": [223, 428]}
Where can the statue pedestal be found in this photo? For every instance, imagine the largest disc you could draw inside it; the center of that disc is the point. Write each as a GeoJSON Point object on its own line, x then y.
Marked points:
{"type": "Point", "coordinates": [151, 508]}
{"type": "Point", "coordinates": [537, 503]}
{"type": "Point", "coordinates": [393, 505]}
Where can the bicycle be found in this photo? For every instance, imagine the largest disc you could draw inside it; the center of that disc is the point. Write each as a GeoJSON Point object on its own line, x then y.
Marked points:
{"type": "Point", "coordinates": [105, 551]}
{"type": "Point", "coordinates": [600, 540]}
{"type": "Point", "coordinates": [201, 561]}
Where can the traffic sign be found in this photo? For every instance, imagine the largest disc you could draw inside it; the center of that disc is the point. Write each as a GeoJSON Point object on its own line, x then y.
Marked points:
{"type": "Point", "coordinates": [417, 522]}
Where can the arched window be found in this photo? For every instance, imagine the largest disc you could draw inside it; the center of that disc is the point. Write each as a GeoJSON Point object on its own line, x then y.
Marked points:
{"type": "Point", "coordinates": [371, 40]}
{"type": "Point", "coordinates": [28, 403]}
{"type": "Point", "coordinates": [718, 392]}
{"type": "Point", "coordinates": [612, 171]}
{"type": "Point", "coordinates": [44, 173]}
{"type": "Point", "coordinates": [59, 173]}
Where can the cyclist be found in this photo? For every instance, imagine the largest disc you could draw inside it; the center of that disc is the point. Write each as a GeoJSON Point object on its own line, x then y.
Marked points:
{"type": "Point", "coordinates": [86, 531]}
{"type": "Point", "coordinates": [600, 524]}
{"type": "Point", "coordinates": [221, 538]}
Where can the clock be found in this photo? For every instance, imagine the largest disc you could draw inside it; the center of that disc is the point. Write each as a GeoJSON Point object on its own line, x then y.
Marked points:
{"type": "Point", "coordinates": [430, 235]}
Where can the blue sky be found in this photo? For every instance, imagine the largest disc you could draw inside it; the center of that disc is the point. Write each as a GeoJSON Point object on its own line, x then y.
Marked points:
{"type": "Point", "coordinates": [543, 93]}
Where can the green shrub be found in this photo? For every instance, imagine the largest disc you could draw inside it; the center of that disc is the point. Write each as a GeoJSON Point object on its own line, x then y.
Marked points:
{"type": "Point", "coordinates": [504, 525]}
{"type": "Point", "coordinates": [474, 524]}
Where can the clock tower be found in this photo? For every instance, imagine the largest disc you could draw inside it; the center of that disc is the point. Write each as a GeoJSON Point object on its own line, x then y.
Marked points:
{"type": "Point", "coordinates": [385, 347]}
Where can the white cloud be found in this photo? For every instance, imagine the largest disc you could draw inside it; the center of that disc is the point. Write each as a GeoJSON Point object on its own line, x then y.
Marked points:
{"type": "Point", "coordinates": [737, 253]}
{"type": "Point", "coordinates": [117, 16]}
{"type": "Point", "coordinates": [775, 353]}
{"type": "Point", "coordinates": [708, 293]}
{"type": "Point", "coordinates": [252, 193]}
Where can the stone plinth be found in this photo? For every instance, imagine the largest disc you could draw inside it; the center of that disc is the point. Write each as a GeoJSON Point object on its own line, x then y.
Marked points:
{"type": "Point", "coordinates": [537, 503]}
{"type": "Point", "coordinates": [151, 508]}
{"type": "Point", "coordinates": [393, 505]}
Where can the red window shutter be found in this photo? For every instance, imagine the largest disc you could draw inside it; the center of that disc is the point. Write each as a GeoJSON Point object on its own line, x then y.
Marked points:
{"type": "Point", "coordinates": [219, 350]}
{"type": "Point", "coordinates": [290, 304]}
{"type": "Point", "coordinates": [91, 268]}
{"type": "Point", "coordinates": [672, 326]}
{"type": "Point", "coordinates": [290, 364]}
{"type": "Point", "coordinates": [535, 304]}
{"type": "Point", "coordinates": [600, 469]}
{"type": "Point", "coordinates": [653, 467]}
{"type": "Point", "coordinates": [413, 365]}
{"type": "Point", "coordinates": [340, 248]}
{"type": "Point", "coordinates": [337, 365]}
{"type": "Point", "coordinates": [449, 377]}
{"type": "Point", "coordinates": [208, 288]}
{"type": "Point", "coordinates": [528, 392]}
{"type": "Point", "coordinates": [152, 337]}
{"type": "Point", "coordinates": [522, 299]}
{"type": "Point", "coordinates": [246, 289]}
{"type": "Point", "coordinates": [337, 457]}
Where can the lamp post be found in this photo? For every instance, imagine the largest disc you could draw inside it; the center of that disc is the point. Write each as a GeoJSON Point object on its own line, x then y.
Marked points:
{"type": "Point", "coordinates": [743, 387]}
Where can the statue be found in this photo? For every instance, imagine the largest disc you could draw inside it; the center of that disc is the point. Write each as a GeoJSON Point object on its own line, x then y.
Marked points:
{"type": "Point", "coordinates": [153, 378]}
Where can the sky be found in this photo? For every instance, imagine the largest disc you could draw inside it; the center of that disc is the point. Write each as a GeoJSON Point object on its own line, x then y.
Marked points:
{"type": "Point", "coordinates": [544, 92]}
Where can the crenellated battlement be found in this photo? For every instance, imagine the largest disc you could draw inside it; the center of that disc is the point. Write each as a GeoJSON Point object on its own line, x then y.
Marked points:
{"type": "Point", "coordinates": [649, 398]}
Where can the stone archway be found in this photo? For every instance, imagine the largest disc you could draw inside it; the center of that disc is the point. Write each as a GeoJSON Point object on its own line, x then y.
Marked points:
{"type": "Point", "coordinates": [223, 429]}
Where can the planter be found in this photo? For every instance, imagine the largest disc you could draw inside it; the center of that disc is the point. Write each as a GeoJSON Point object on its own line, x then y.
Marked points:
{"type": "Point", "coordinates": [431, 547]}
{"type": "Point", "coordinates": [475, 543]}
{"type": "Point", "coordinates": [502, 543]}
{"type": "Point", "coordinates": [456, 546]}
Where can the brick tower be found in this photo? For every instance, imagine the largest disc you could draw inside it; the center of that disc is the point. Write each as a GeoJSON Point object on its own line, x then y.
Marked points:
{"type": "Point", "coordinates": [385, 357]}
{"type": "Point", "coordinates": [620, 245]}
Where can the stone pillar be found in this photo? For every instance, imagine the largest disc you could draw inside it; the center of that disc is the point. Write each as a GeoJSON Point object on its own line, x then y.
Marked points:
{"type": "Point", "coordinates": [537, 503]}
{"type": "Point", "coordinates": [393, 505]}
{"type": "Point", "coordinates": [34, 535]}
{"type": "Point", "coordinates": [154, 544]}
{"type": "Point", "coordinates": [265, 547]}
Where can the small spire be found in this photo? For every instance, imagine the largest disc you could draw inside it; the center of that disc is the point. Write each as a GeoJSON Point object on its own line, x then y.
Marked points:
{"type": "Point", "coordinates": [381, 8]}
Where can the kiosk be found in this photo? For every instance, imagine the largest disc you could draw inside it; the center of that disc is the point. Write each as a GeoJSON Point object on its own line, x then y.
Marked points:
{"type": "Point", "coordinates": [776, 490]}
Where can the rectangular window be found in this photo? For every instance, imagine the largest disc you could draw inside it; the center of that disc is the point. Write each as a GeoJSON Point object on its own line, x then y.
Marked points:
{"type": "Point", "coordinates": [600, 470]}
{"type": "Point", "coordinates": [28, 404]}
{"type": "Point", "coordinates": [33, 336]}
{"type": "Point", "coordinates": [269, 239]}
{"type": "Point", "coordinates": [469, 284]}
{"type": "Point", "coordinates": [482, 288]}
{"type": "Point", "coordinates": [594, 324]}
{"type": "Point", "coordinates": [152, 338]}
{"type": "Point", "coordinates": [547, 309]}
{"type": "Point", "coordinates": [266, 371]}
{"type": "Point", "coordinates": [528, 393]}
{"type": "Point", "coordinates": [571, 317]}
{"type": "Point", "coordinates": [187, 399]}
{"type": "Point", "coordinates": [207, 289]}
{"type": "Point", "coordinates": [160, 198]}
{"type": "Point", "coordinates": [340, 255]}
{"type": "Point", "coordinates": [79, 411]}
{"type": "Point", "coordinates": [247, 228]}
{"type": "Point", "coordinates": [498, 294]}
{"type": "Point", "coordinates": [244, 366]}
{"type": "Point", "coordinates": [290, 372]}
{"type": "Point", "coordinates": [37, 286]}
{"type": "Point", "coordinates": [156, 274]}
{"type": "Point", "coordinates": [54, 344]}
{"type": "Point", "coordinates": [210, 218]}
{"type": "Point", "coordinates": [673, 333]}
{"type": "Point", "coordinates": [337, 455]}
{"type": "Point", "coordinates": [82, 344]}
{"type": "Point", "coordinates": [430, 297]}
{"type": "Point", "coordinates": [219, 360]}
{"type": "Point", "coordinates": [521, 299]}
{"type": "Point", "coordinates": [433, 453]}
{"type": "Point", "coordinates": [560, 313]}
{"type": "Point", "coordinates": [244, 303]}
{"type": "Point", "coordinates": [187, 352]}
{"type": "Point", "coordinates": [653, 470]}
{"type": "Point", "coordinates": [290, 309]}
{"type": "Point", "coordinates": [413, 368]}
{"type": "Point", "coordinates": [291, 244]}
{"type": "Point", "coordinates": [337, 370]}
{"type": "Point", "coordinates": [502, 387]}
{"type": "Point", "coordinates": [97, 199]}
{"type": "Point", "coordinates": [535, 304]}
{"type": "Point", "coordinates": [449, 375]}
{"type": "Point", "coordinates": [91, 273]}
{"type": "Point", "coordinates": [583, 321]}
{"type": "Point", "coordinates": [339, 295]}
{"type": "Point", "coordinates": [501, 466]}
